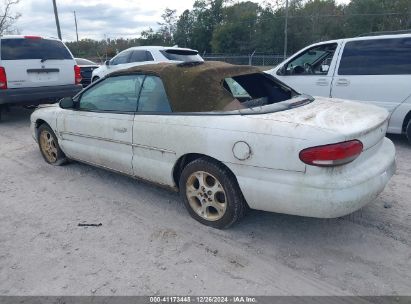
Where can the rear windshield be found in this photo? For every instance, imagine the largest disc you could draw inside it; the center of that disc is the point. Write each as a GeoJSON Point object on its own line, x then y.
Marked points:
{"type": "Point", "coordinates": [182, 55]}
{"type": "Point", "coordinates": [256, 90]}
{"type": "Point", "coordinates": [28, 48]}
{"type": "Point", "coordinates": [260, 93]}
{"type": "Point", "coordinates": [82, 61]}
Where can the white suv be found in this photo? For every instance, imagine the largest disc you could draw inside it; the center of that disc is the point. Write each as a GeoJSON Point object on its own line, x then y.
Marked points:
{"type": "Point", "coordinates": [144, 55]}
{"type": "Point", "coordinates": [36, 70]}
{"type": "Point", "coordinates": [373, 69]}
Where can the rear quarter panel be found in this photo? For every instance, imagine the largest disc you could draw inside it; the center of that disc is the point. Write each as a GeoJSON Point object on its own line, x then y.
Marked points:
{"type": "Point", "coordinates": [273, 145]}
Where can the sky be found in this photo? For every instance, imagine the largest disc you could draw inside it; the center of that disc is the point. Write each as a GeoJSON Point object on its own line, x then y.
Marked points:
{"type": "Point", "coordinates": [97, 19]}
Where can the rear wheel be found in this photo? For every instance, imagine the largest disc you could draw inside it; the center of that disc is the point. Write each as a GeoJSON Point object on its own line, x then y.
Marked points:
{"type": "Point", "coordinates": [211, 193]}
{"type": "Point", "coordinates": [49, 146]}
{"type": "Point", "coordinates": [408, 131]}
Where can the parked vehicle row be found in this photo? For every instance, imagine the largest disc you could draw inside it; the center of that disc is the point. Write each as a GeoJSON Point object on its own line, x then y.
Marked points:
{"type": "Point", "coordinates": [251, 141]}
{"type": "Point", "coordinates": [254, 142]}
{"type": "Point", "coordinates": [36, 70]}
{"type": "Point", "coordinates": [374, 69]}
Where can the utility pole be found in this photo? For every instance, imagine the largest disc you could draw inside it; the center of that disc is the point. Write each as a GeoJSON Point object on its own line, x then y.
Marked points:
{"type": "Point", "coordinates": [286, 29]}
{"type": "Point", "coordinates": [56, 15]}
{"type": "Point", "coordinates": [75, 22]}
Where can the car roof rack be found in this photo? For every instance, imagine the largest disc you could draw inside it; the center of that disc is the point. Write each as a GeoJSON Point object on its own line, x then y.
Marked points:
{"type": "Point", "coordinates": [380, 33]}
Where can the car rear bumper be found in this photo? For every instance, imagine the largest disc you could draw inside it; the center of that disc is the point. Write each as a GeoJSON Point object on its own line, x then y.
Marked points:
{"type": "Point", "coordinates": [37, 95]}
{"type": "Point", "coordinates": [335, 193]}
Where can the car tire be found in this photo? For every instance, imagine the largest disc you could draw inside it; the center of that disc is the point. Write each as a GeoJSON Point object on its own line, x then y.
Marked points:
{"type": "Point", "coordinates": [408, 131]}
{"type": "Point", "coordinates": [49, 147]}
{"type": "Point", "coordinates": [95, 79]}
{"type": "Point", "coordinates": [211, 193]}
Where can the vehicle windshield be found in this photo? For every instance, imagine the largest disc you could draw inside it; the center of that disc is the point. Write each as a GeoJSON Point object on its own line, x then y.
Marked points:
{"type": "Point", "coordinates": [33, 48]}
{"type": "Point", "coordinates": [258, 90]}
{"type": "Point", "coordinates": [181, 55]}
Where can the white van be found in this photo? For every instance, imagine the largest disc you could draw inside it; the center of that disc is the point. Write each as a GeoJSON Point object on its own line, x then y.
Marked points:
{"type": "Point", "coordinates": [374, 69]}
{"type": "Point", "coordinates": [36, 70]}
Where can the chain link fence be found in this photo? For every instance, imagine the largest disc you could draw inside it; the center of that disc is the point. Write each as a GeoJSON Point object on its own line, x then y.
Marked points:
{"type": "Point", "coordinates": [261, 60]}
{"type": "Point", "coordinates": [266, 61]}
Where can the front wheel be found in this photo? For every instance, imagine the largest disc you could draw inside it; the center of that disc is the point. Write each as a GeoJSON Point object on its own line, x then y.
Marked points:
{"type": "Point", "coordinates": [211, 193]}
{"type": "Point", "coordinates": [49, 146]}
{"type": "Point", "coordinates": [95, 79]}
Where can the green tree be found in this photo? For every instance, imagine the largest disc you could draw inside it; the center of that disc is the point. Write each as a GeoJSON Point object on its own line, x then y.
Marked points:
{"type": "Point", "coordinates": [167, 26]}
{"type": "Point", "coordinates": [236, 32]}
{"type": "Point", "coordinates": [365, 16]}
{"type": "Point", "coordinates": [207, 14]}
{"type": "Point", "coordinates": [183, 34]}
{"type": "Point", "coordinates": [151, 37]}
{"type": "Point", "coordinates": [242, 27]}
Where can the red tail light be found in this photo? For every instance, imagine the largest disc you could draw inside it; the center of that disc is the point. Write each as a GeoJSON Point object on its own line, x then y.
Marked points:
{"type": "Point", "coordinates": [332, 155]}
{"type": "Point", "coordinates": [77, 74]}
{"type": "Point", "coordinates": [3, 79]}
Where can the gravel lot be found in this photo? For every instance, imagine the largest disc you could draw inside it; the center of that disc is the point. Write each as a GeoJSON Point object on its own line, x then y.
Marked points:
{"type": "Point", "coordinates": [149, 245]}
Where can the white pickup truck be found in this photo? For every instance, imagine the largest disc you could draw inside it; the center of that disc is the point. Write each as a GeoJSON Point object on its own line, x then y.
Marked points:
{"type": "Point", "coordinates": [373, 69]}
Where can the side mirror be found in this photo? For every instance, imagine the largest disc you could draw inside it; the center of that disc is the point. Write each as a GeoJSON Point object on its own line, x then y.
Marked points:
{"type": "Point", "coordinates": [107, 62]}
{"type": "Point", "coordinates": [67, 103]}
{"type": "Point", "coordinates": [281, 71]}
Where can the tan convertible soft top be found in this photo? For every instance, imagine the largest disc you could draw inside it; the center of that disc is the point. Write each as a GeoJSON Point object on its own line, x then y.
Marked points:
{"type": "Point", "coordinates": [194, 87]}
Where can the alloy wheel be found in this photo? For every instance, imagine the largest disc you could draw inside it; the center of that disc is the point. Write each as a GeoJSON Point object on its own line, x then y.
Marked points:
{"type": "Point", "coordinates": [206, 195]}
{"type": "Point", "coordinates": [48, 146]}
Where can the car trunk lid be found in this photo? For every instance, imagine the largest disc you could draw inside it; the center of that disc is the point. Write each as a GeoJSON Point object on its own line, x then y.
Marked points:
{"type": "Point", "coordinates": [346, 119]}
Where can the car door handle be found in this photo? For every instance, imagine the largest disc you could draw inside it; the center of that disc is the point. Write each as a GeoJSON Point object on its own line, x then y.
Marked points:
{"type": "Point", "coordinates": [343, 82]}
{"type": "Point", "coordinates": [322, 82]}
{"type": "Point", "coordinates": [120, 130]}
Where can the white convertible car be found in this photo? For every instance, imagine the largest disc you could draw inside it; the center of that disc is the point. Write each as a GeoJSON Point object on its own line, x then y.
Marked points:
{"type": "Point", "coordinates": [227, 138]}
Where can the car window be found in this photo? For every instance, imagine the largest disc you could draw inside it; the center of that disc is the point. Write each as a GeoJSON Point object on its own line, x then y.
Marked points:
{"type": "Point", "coordinates": [121, 58]}
{"type": "Point", "coordinates": [252, 90]}
{"type": "Point", "coordinates": [376, 57]}
{"type": "Point", "coordinates": [314, 61]}
{"type": "Point", "coordinates": [141, 56]}
{"type": "Point", "coordinates": [236, 89]}
{"type": "Point", "coordinates": [82, 61]}
{"type": "Point", "coordinates": [114, 94]}
{"type": "Point", "coordinates": [33, 48]}
{"type": "Point", "coordinates": [181, 55]}
{"type": "Point", "coordinates": [153, 97]}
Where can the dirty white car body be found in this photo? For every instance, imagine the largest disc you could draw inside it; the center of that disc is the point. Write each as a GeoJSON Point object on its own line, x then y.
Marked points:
{"type": "Point", "coordinates": [261, 150]}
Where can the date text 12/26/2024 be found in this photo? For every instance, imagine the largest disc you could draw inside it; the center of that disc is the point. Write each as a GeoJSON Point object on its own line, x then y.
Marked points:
{"type": "Point", "coordinates": [203, 299]}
